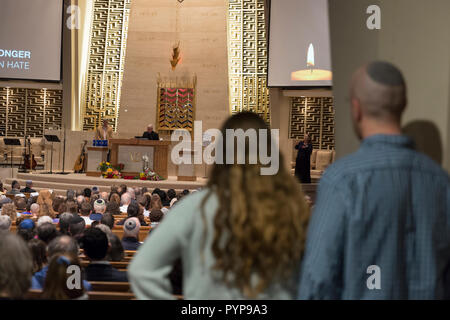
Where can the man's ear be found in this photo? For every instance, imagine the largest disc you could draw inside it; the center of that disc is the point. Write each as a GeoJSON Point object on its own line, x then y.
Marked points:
{"type": "Point", "coordinates": [356, 110]}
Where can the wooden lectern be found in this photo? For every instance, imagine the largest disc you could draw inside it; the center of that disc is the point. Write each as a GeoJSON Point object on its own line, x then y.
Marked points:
{"type": "Point", "coordinates": [129, 152]}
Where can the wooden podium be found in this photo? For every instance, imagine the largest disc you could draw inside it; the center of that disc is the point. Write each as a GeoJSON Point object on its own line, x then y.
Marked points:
{"type": "Point", "coordinates": [129, 152]}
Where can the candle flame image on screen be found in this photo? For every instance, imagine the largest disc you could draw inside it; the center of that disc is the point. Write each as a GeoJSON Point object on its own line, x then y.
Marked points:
{"type": "Point", "coordinates": [310, 58]}
{"type": "Point", "coordinates": [311, 74]}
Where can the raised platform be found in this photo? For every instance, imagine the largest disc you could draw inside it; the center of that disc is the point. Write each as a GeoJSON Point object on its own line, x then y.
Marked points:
{"type": "Point", "coordinates": [61, 183]}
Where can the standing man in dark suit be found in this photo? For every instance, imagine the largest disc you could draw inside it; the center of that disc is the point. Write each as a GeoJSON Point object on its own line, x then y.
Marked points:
{"type": "Point", "coordinates": [150, 134]}
{"type": "Point", "coordinates": [95, 245]}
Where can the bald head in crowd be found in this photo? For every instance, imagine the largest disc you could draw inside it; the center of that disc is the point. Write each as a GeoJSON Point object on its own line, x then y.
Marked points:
{"type": "Point", "coordinates": [131, 227]}
{"type": "Point", "coordinates": [378, 99]}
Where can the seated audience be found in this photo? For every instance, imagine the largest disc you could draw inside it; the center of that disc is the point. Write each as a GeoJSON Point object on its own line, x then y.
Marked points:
{"type": "Point", "coordinates": [44, 219]}
{"type": "Point", "coordinates": [130, 240]}
{"type": "Point", "coordinates": [28, 187]}
{"type": "Point", "coordinates": [70, 195]}
{"type": "Point", "coordinates": [133, 210]}
{"type": "Point", "coordinates": [15, 188]}
{"type": "Point", "coordinates": [155, 203]}
{"type": "Point", "coordinates": [385, 205]}
{"type": "Point", "coordinates": [104, 195]}
{"type": "Point", "coordinates": [241, 237]}
{"type": "Point", "coordinates": [5, 223]}
{"type": "Point", "coordinates": [56, 287]}
{"type": "Point", "coordinates": [95, 245]}
{"type": "Point", "coordinates": [15, 270]}
{"type": "Point", "coordinates": [156, 217]}
{"type": "Point", "coordinates": [34, 210]}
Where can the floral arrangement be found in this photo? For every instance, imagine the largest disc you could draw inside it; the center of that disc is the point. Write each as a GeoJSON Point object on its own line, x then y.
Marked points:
{"type": "Point", "coordinates": [110, 172]}
{"type": "Point", "coordinates": [147, 174]}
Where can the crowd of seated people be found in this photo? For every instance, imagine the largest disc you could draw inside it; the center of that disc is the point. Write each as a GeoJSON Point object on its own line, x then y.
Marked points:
{"type": "Point", "coordinates": [383, 209]}
{"type": "Point", "coordinates": [53, 232]}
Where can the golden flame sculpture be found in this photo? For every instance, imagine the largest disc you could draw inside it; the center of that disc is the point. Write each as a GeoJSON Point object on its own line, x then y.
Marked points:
{"type": "Point", "coordinates": [175, 56]}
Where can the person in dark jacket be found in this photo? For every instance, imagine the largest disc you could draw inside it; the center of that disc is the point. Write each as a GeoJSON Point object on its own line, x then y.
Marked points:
{"type": "Point", "coordinates": [150, 134]}
{"type": "Point", "coordinates": [303, 161]}
{"type": "Point", "coordinates": [95, 245]}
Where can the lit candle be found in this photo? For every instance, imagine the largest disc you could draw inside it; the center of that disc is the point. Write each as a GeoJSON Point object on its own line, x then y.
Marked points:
{"type": "Point", "coordinates": [311, 74]}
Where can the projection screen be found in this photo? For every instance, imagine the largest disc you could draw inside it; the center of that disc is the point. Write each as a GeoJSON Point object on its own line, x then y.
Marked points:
{"type": "Point", "coordinates": [299, 44]}
{"type": "Point", "coordinates": [30, 39]}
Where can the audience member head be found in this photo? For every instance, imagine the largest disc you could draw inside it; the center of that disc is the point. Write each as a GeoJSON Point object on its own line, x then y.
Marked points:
{"type": "Point", "coordinates": [86, 209]}
{"type": "Point", "coordinates": [43, 219]}
{"type": "Point", "coordinates": [378, 99]}
{"type": "Point", "coordinates": [57, 202]}
{"type": "Point", "coordinates": [77, 225]}
{"type": "Point", "coordinates": [15, 271]}
{"type": "Point", "coordinates": [87, 193]}
{"type": "Point", "coordinates": [95, 244]}
{"type": "Point", "coordinates": [156, 215]}
{"type": "Point", "coordinates": [114, 189]}
{"type": "Point", "coordinates": [116, 252]}
{"type": "Point", "coordinates": [131, 228]}
{"type": "Point", "coordinates": [26, 229]}
{"type": "Point", "coordinates": [253, 206]}
{"type": "Point", "coordinates": [10, 210]}
{"type": "Point", "coordinates": [15, 184]}
{"type": "Point", "coordinates": [72, 207]}
{"type": "Point", "coordinates": [34, 209]}
{"type": "Point", "coordinates": [104, 195]}
{"type": "Point", "coordinates": [133, 209]}
{"type": "Point", "coordinates": [114, 197]}
{"type": "Point", "coordinates": [113, 208]}
{"type": "Point", "coordinates": [57, 278]}
{"type": "Point", "coordinates": [38, 250]}
{"type": "Point", "coordinates": [80, 200]}
{"type": "Point", "coordinates": [105, 229]}
{"type": "Point", "coordinates": [70, 194]}
{"type": "Point", "coordinates": [155, 202]}
{"type": "Point", "coordinates": [122, 189]}
{"type": "Point", "coordinates": [171, 194]}
{"type": "Point", "coordinates": [45, 202]}
{"type": "Point", "coordinates": [108, 219]}
{"type": "Point", "coordinates": [5, 223]}
{"type": "Point", "coordinates": [47, 232]}
{"type": "Point", "coordinates": [29, 184]}
{"type": "Point", "coordinates": [125, 199]}
{"type": "Point", "coordinates": [63, 245]}
{"type": "Point", "coordinates": [99, 206]}
{"type": "Point", "coordinates": [64, 222]}
{"type": "Point", "coordinates": [21, 203]}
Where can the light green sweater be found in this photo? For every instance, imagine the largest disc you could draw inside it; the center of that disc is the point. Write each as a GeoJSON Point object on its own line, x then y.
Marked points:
{"type": "Point", "coordinates": [180, 234]}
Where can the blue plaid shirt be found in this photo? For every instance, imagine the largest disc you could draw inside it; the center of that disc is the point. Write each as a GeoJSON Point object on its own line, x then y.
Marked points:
{"type": "Point", "coordinates": [385, 205]}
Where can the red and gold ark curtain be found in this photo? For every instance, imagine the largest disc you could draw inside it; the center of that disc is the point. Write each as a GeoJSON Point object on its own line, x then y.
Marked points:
{"type": "Point", "coordinates": [176, 106]}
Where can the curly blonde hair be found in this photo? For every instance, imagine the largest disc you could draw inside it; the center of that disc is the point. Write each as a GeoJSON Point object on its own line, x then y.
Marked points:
{"type": "Point", "coordinates": [260, 224]}
{"type": "Point", "coordinates": [45, 201]}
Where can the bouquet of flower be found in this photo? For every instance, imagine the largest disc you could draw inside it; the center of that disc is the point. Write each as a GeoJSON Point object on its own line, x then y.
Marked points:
{"type": "Point", "coordinates": [148, 174]}
{"type": "Point", "coordinates": [109, 172]}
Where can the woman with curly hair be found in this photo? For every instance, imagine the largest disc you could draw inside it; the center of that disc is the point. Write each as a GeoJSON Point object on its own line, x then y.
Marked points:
{"type": "Point", "coordinates": [241, 237]}
{"type": "Point", "coordinates": [45, 201]}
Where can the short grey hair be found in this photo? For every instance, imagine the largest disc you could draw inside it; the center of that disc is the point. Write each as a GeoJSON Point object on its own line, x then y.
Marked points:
{"type": "Point", "coordinates": [105, 229]}
{"type": "Point", "coordinates": [62, 245]}
{"type": "Point", "coordinates": [5, 223]}
{"type": "Point", "coordinates": [16, 266]}
{"type": "Point", "coordinates": [42, 220]}
{"type": "Point", "coordinates": [34, 208]}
